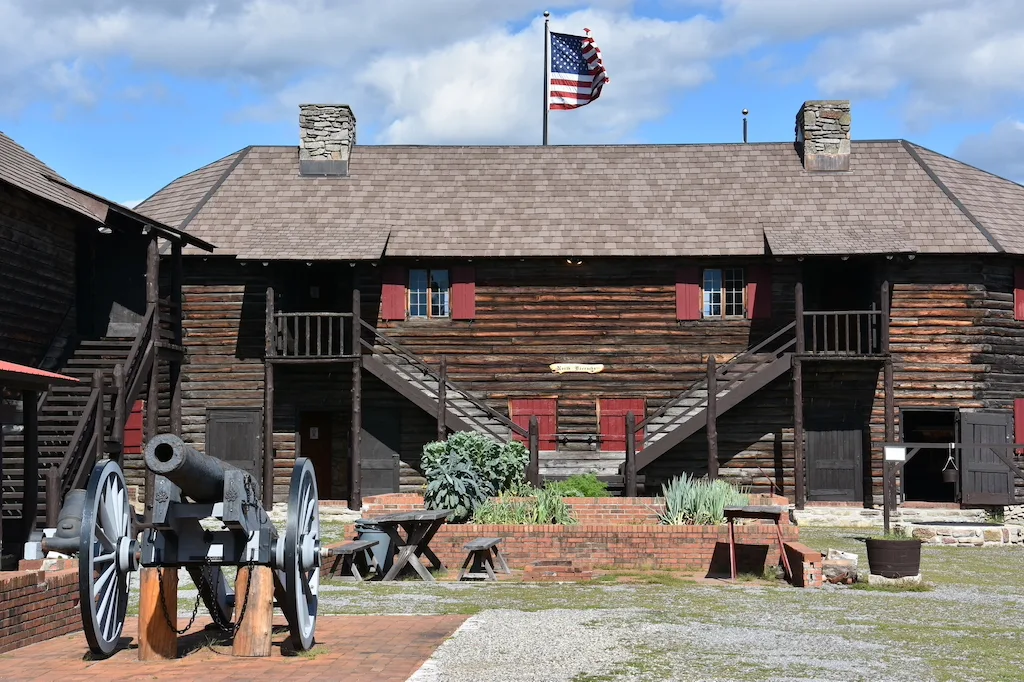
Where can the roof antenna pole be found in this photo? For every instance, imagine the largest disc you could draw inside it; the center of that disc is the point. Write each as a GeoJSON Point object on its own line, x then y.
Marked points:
{"type": "Point", "coordinates": [745, 112]}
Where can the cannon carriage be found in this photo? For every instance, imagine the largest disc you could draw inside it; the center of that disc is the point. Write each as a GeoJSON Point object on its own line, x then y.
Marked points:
{"type": "Point", "coordinates": [206, 515]}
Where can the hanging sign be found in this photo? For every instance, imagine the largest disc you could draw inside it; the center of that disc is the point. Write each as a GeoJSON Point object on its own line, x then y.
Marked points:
{"type": "Point", "coordinates": [895, 454]}
{"type": "Point", "coordinates": [563, 367]}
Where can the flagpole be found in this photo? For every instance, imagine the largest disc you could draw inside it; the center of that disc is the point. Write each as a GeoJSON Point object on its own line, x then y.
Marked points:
{"type": "Point", "coordinates": [547, 73]}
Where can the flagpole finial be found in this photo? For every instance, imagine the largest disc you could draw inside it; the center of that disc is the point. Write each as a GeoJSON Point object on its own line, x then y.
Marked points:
{"type": "Point", "coordinates": [547, 15]}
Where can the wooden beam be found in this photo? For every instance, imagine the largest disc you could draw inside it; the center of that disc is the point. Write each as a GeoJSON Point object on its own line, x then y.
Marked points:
{"type": "Point", "coordinates": [157, 638]}
{"type": "Point", "coordinates": [268, 404]}
{"type": "Point", "coordinates": [629, 484]}
{"type": "Point", "coordinates": [712, 419]}
{"type": "Point", "coordinates": [30, 440]}
{"type": "Point", "coordinates": [885, 316]}
{"type": "Point", "coordinates": [117, 429]}
{"type": "Point", "coordinates": [799, 297]}
{"type": "Point", "coordinates": [355, 458]}
{"type": "Point", "coordinates": [97, 430]}
{"type": "Point", "coordinates": [798, 434]}
{"type": "Point", "coordinates": [53, 501]}
{"type": "Point", "coordinates": [153, 303]}
{"type": "Point", "coordinates": [254, 589]}
{"type": "Point", "coordinates": [442, 401]}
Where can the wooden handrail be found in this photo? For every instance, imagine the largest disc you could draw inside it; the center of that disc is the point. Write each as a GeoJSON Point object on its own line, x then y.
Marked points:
{"type": "Point", "coordinates": [450, 387]}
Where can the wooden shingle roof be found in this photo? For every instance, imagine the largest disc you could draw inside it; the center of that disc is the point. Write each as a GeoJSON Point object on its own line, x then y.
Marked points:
{"type": "Point", "coordinates": [623, 200]}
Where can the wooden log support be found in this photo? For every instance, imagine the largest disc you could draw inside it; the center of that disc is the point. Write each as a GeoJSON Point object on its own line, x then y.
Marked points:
{"type": "Point", "coordinates": [157, 639]}
{"type": "Point", "coordinates": [268, 403]}
{"type": "Point", "coordinates": [255, 628]}
{"type": "Point", "coordinates": [533, 472]}
{"type": "Point", "coordinates": [53, 500]}
{"type": "Point", "coordinates": [442, 399]}
{"type": "Point", "coordinates": [712, 418]}
{"type": "Point", "coordinates": [117, 430]}
{"type": "Point", "coordinates": [98, 435]}
{"type": "Point", "coordinates": [177, 299]}
{"type": "Point", "coordinates": [798, 401]}
{"type": "Point", "coordinates": [153, 303]}
{"type": "Point", "coordinates": [355, 458]}
{"type": "Point", "coordinates": [30, 499]}
{"type": "Point", "coordinates": [629, 482]}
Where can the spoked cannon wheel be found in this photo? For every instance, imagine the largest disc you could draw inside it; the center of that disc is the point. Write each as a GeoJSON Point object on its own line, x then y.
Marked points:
{"type": "Point", "coordinates": [107, 554]}
{"type": "Point", "coordinates": [302, 555]}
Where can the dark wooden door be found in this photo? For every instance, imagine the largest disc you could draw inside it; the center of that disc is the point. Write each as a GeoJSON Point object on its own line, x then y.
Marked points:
{"type": "Point", "coordinates": [984, 477]}
{"type": "Point", "coordinates": [236, 436]}
{"type": "Point", "coordinates": [835, 465]}
{"type": "Point", "coordinates": [315, 440]}
{"type": "Point", "coordinates": [612, 420]}
{"type": "Point", "coordinates": [379, 451]}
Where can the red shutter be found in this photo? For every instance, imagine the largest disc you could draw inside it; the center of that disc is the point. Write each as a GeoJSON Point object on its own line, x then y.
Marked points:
{"type": "Point", "coordinates": [759, 292]}
{"type": "Point", "coordinates": [1018, 421]}
{"type": "Point", "coordinates": [612, 419]}
{"type": "Point", "coordinates": [688, 293]}
{"type": "Point", "coordinates": [545, 409]}
{"type": "Point", "coordinates": [463, 292]}
{"type": "Point", "coordinates": [392, 295]}
{"type": "Point", "coordinates": [1018, 293]}
{"type": "Point", "coordinates": [133, 430]}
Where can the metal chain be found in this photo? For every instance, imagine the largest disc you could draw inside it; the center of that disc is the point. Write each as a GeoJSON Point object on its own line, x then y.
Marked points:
{"type": "Point", "coordinates": [245, 602]}
{"type": "Point", "coordinates": [163, 606]}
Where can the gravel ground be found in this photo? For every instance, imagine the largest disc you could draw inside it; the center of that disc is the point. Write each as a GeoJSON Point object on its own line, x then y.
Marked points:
{"type": "Point", "coordinates": [659, 627]}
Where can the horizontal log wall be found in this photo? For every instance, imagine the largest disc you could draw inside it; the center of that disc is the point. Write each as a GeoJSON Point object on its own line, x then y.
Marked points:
{"type": "Point", "coordinates": [37, 274]}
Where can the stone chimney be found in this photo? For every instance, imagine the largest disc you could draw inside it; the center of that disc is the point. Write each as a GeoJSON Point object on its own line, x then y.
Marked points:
{"type": "Point", "coordinates": [326, 135]}
{"type": "Point", "coordinates": [823, 135]}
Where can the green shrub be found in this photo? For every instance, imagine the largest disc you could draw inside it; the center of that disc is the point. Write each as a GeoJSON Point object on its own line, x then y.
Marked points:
{"type": "Point", "coordinates": [690, 501]}
{"type": "Point", "coordinates": [580, 485]}
{"type": "Point", "coordinates": [463, 471]}
{"type": "Point", "coordinates": [539, 507]}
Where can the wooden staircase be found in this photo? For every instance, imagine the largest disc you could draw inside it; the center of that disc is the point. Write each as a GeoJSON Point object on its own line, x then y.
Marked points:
{"type": "Point", "coordinates": [742, 376]}
{"type": "Point", "coordinates": [60, 412]}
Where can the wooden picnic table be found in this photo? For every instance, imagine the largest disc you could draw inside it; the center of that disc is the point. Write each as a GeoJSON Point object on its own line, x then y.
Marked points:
{"type": "Point", "coordinates": [418, 528]}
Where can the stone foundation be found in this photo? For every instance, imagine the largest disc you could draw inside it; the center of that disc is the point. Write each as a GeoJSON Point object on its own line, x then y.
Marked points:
{"type": "Point", "coordinates": [858, 517]}
{"type": "Point", "coordinates": [966, 535]}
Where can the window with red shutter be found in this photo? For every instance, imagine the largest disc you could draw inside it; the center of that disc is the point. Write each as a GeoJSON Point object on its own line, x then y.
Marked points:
{"type": "Point", "coordinates": [759, 292]}
{"type": "Point", "coordinates": [392, 297]}
{"type": "Point", "coordinates": [545, 409]}
{"type": "Point", "coordinates": [612, 420]}
{"type": "Point", "coordinates": [688, 302]}
{"type": "Point", "coordinates": [463, 292]}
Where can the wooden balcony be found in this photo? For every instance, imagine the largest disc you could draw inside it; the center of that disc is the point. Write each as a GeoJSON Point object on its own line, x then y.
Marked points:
{"type": "Point", "coordinates": [843, 334]}
{"type": "Point", "coordinates": [316, 337]}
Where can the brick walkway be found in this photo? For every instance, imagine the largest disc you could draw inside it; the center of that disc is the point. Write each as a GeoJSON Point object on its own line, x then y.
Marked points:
{"type": "Point", "coordinates": [350, 648]}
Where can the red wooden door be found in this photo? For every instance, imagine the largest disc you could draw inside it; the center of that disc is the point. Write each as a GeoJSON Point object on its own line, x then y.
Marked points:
{"type": "Point", "coordinates": [546, 411]}
{"type": "Point", "coordinates": [612, 419]}
{"type": "Point", "coordinates": [133, 430]}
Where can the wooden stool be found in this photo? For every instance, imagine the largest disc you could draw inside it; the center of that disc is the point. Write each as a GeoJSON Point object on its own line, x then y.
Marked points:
{"type": "Point", "coordinates": [481, 552]}
{"type": "Point", "coordinates": [352, 556]}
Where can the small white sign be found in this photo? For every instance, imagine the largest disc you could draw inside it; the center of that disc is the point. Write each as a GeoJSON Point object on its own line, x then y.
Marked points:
{"type": "Point", "coordinates": [563, 367]}
{"type": "Point", "coordinates": [895, 454]}
{"type": "Point", "coordinates": [314, 433]}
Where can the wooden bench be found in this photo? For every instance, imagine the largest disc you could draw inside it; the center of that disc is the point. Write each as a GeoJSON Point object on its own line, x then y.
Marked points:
{"type": "Point", "coordinates": [482, 552]}
{"type": "Point", "coordinates": [350, 557]}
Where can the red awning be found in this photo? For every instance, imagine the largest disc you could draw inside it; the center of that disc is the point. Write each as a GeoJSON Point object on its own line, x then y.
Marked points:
{"type": "Point", "coordinates": [20, 376]}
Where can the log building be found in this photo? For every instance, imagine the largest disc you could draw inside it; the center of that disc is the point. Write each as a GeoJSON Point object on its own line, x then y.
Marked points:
{"type": "Point", "coordinates": [81, 293]}
{"type": "Point", "coordinates": [834, 295]}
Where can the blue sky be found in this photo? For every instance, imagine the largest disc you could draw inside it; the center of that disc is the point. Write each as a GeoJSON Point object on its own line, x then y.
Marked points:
{"type": "Point", "coordinates": [122, 97]}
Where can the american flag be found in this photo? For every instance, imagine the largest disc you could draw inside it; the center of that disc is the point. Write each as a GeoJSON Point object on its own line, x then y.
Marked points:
{"type": "Point", "coordinates": [577, 72]}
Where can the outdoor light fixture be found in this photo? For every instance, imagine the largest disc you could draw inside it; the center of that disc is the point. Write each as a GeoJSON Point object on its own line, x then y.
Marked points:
{"type": "Point", "coordinates": [103, 229]}
{"type": "Point", "coordinates": [574, 261]}
{"type": "Point", "coordinates": [844, 258]}
{"type": "Point", "coordinates": [146, 229]}
{"type": "Point", "coordinates": [911, 256]}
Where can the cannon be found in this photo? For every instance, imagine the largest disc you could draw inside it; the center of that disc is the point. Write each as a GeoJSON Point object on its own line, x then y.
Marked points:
{"type": "Point", "coordinates": [206, 514]}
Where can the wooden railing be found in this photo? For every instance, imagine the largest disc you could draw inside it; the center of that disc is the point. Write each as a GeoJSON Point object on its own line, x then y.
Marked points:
{"type": "Point", "coordinates": [312, 336]}
{"type": "Point", "coordinates": [843, 332]}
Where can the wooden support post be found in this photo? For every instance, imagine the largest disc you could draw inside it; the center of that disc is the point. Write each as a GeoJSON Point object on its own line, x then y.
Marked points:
{"type": "Point", "coordinates": [30, 440]}
{"type": "Point", "coordinates": [256, 627]}
{"type": "Point", "coordinates": [533, 472]}
{"type": "Point", "coordinates": [886, 492]}
{"type": "Point", "coordinates": [442, 397]}
{"type": "Point", "coordinates": [798, 400]}
{"type": "Point", "coordinates": [178, 312]}
{"type": "Point", "coordinates": [53, 502]}
{"type": "Point", "coordinates": [157, 639]}
{"type": "Point", "coordinates": [355, 459]}
{"type": "Point", "coordinates": [117, 429]}
{"type": "Point", "coordinates": [712, 418]}
{"type": "Point", "coordinates": [98, 435]}
{"type": "Point", "coordinates": [153, 303]}
{"type": "Point", "coordinates": [629, 472]}
{"type": "Point", "coordinates": [270, 350]}
{"type": "Point", "coordinates": [884, 341]}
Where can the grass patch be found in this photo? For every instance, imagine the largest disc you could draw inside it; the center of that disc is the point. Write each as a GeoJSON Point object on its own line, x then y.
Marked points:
{"type": "Point", "coordinates": [905, 587]}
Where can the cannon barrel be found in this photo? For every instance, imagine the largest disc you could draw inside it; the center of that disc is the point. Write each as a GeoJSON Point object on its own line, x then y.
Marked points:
{"type": "Point", "coordinates": [199, 476]}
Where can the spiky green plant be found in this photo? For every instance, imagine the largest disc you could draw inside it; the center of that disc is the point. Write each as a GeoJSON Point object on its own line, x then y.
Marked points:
{"type": "Point", "coordinates": [692, 501]}
{"type": "Point", "coordinates": [541, 507]}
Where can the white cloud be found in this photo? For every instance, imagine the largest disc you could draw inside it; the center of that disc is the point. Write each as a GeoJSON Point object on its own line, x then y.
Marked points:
{"type": "Point", "coordinates": [999, 151]}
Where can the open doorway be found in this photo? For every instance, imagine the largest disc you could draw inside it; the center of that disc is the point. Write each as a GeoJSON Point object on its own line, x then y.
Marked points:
{"type": "Point", "coordinates": [836, 284]}
{"type": "Point", "coordinates": [922, 475]}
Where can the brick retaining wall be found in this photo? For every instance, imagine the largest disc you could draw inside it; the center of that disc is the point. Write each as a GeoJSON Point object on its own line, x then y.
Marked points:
{"type": "Point", "coordinates": [36, 605]}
